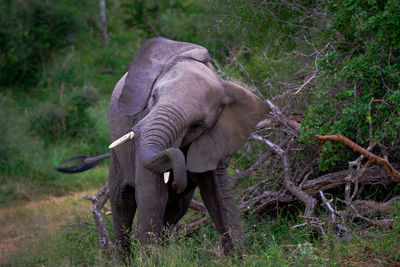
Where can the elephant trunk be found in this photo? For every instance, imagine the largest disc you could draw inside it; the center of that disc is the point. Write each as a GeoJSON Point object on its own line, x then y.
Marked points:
{"type": "Point", "coordinates": [159, 133]}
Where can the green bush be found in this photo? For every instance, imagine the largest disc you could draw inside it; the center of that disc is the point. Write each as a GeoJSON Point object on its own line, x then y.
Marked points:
{"type": "Point", "coordinates": [10, 159]}
{"type": "Point", "coordinates": [358, 85]}
{"type": "Point", "coordinates": [30, 31]}
{"type": "Point", "coordinates": [53, 122]}
{"type": "Point", "coordinates": [188, 21]}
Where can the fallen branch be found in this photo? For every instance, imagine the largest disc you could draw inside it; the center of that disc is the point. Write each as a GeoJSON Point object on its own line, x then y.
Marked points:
{"type": "Point", "coordinates": [308, 200]}
{"type": "Point", "coordinates": [373, 208]}
{"type": "Point", "coordinates": [315, 223]}
{"type": "Point", "coordinates": [371, 175]}
{"type": "Point", "coordinates": [189, 228]}
{"type": "Point", "coordinates": [268, 201]}
{"type": "Point", "coordinates": [212, 252]}
{"type": "Point", "coordinates": [283, 118]}
{"type": "Point", "coordinates": [328, 205]}
{"type": "Point", "coordinates": [372, 157]}
{"type": "Point", "coordinates": [386, 223]}
{"type": "Point", "coordinates": [252, 168]}
{"type": "Point", "coordinates": [198, 206]}
{"type": "Point", "coordinates": [98, 204]}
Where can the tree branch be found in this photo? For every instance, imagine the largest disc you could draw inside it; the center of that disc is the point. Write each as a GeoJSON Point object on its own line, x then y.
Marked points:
{"type": "Point", "coordinates": [374, 158]}
{"type": "Point", "coordinates": [98, 203]}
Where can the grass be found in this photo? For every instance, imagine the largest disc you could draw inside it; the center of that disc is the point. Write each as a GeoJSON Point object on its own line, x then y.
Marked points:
{"type": "Point", "coordinates": [35, 220]}
{"type": "Point", "coordinates": [60, 232]}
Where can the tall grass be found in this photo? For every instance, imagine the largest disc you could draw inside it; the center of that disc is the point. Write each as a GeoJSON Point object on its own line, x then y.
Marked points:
{"type": "Point", "coordinates": [271, 242]}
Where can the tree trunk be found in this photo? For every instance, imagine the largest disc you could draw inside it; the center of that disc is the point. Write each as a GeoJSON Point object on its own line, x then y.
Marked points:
{"type": "Point", "coordinates": [103, 23]}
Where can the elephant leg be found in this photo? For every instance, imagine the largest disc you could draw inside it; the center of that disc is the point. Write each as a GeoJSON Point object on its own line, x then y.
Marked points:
{"type": "Point", "coordinates": [123, 206]}
{"type": "Point", "coordinates": [151, 197]}
{"type": "Point", "coordinates": [178, 204]}
{"type": "Point", "coordinates": [221, 205]}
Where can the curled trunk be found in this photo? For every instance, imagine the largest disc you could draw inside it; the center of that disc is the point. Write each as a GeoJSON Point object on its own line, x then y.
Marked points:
{"type": "Point", "coordinates": [160, 129]}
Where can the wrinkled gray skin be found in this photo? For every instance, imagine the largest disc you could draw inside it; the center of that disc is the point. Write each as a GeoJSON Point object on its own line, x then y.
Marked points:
{"type": "Point", "coordinates": [187, 120]}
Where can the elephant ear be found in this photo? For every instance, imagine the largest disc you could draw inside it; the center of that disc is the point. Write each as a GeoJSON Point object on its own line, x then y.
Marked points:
{"type": "Point", "coordinates": [239, 117]}
{"type": "Point", "coordinates": [146, 67]}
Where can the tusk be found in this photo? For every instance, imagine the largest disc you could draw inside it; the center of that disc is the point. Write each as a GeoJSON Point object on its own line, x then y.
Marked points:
{"type": "Point", "coordinates": [166, 177]}
{"type": "Point", "coordinates": [123, 139]}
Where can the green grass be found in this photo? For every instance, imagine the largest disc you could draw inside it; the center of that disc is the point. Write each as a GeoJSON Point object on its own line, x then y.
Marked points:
{"type": "Point", "coordinates": [271, 242]}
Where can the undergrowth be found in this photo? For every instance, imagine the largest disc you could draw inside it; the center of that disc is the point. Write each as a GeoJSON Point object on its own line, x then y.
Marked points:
{"type": "Point", "coordinates": [271, 242]}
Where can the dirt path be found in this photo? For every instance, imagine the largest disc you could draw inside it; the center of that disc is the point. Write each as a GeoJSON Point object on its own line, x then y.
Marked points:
{"type": "Point", "coordinates": [39, 218]}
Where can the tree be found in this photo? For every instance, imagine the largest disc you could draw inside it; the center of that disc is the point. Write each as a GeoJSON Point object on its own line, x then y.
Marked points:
{"type": "Point", "coordinates": [103, 22]}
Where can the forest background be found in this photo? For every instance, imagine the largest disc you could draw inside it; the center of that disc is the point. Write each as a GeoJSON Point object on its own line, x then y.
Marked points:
{"type": "Point", "coordinates": [322, 67]}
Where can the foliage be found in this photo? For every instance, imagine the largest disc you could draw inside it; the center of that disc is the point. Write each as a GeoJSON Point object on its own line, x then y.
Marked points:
{"type": "Point", "coordinates": [187, 20]}
{"type": "Point", "coordinates": [262, 23]}
{"type": "Point", "coordinates": [30, 31]}
{"type": "Point", "coordinates": [267, 38]}
{"type": "Point", "coordinates": [54, 121]}
{"type": "Point", "coordinates": [358, 83]}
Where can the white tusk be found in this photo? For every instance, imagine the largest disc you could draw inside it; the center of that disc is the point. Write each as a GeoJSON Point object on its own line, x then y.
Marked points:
{"type": "Point", "coordinates": [166, 177]}
{"type": "Point", "coordinates": [123, 139]}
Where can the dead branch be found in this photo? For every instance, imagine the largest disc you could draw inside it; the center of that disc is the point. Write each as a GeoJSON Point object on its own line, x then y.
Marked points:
{"type": "Point", "coordinates": [265, 196]}
{"type": "Point", "coordinates": [373, 208]}
{"type": "Point", "coordinates": [371, 175]}
{"type": "Point", "coordinates": [308, 200]}
{"type": "Point", "coordinates": [268, 201]}
{"type": "Point", "coordinates": [280, 117]}
{"type": "Point", "coordinates": [314, 223]}
{"type": "Point", "coordinates": [328, 205]}
{"type": "Point", "coordinates": [212, 252]}
{"type": "Point", "coordinates": [198, 206]}
{"type": "Point", "coordinates": [252, 168]}
{"type": "Point", "coordinates": [252, 188]}
{"type": "Point", "coordinates": [387, 223]}
{"type": "Point", "coordinates": [374, 158]}
{"type": "Point", "coordinates": [277, 149]}
{"type": "Point", "coordinates": [187, 229]}
{"type": "Point", "coordinates": [98, 204]}
{"type": "Point", "coordinates": [267, 123]}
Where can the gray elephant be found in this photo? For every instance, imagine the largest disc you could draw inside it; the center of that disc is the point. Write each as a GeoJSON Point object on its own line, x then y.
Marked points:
{"type": "Point", "coordinates": [186, 123]}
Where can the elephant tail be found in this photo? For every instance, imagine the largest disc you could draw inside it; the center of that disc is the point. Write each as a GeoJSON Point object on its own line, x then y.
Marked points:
{"type": "Point", "coordinates": [80, 163]}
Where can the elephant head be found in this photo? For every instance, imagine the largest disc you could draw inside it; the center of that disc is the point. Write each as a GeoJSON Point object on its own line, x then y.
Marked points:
{"type": "Point", "coordinates": [190, 118]}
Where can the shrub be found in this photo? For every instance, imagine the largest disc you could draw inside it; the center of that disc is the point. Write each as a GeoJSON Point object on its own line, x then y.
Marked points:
{"type": "Point", "coordinates": [29, 33]}
{"type": "Point", "coordinates": [53, 122]}
{"type": "Point", "coordinates": [358, 87]}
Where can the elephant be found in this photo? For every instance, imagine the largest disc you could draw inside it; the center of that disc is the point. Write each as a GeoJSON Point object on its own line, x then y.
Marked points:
{"type": "Point", "coordinates": [186, 122]}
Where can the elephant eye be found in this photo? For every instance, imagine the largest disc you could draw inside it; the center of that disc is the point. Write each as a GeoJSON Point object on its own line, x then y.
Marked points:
{"type": "Point", "coordinates": [154, 97]}
{"type": "Point", "coordinates": [197, 125]}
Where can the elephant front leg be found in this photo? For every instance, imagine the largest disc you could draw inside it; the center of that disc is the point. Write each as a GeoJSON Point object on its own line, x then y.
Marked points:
{"type": "Point", "coordinates": [221, 205]}
{"type": "Point", "coordinates": [151, 197]}
{"type": "Point", "coordinates": [123, 206]}
{"type": "Point", "coordinates": [123, 209]}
